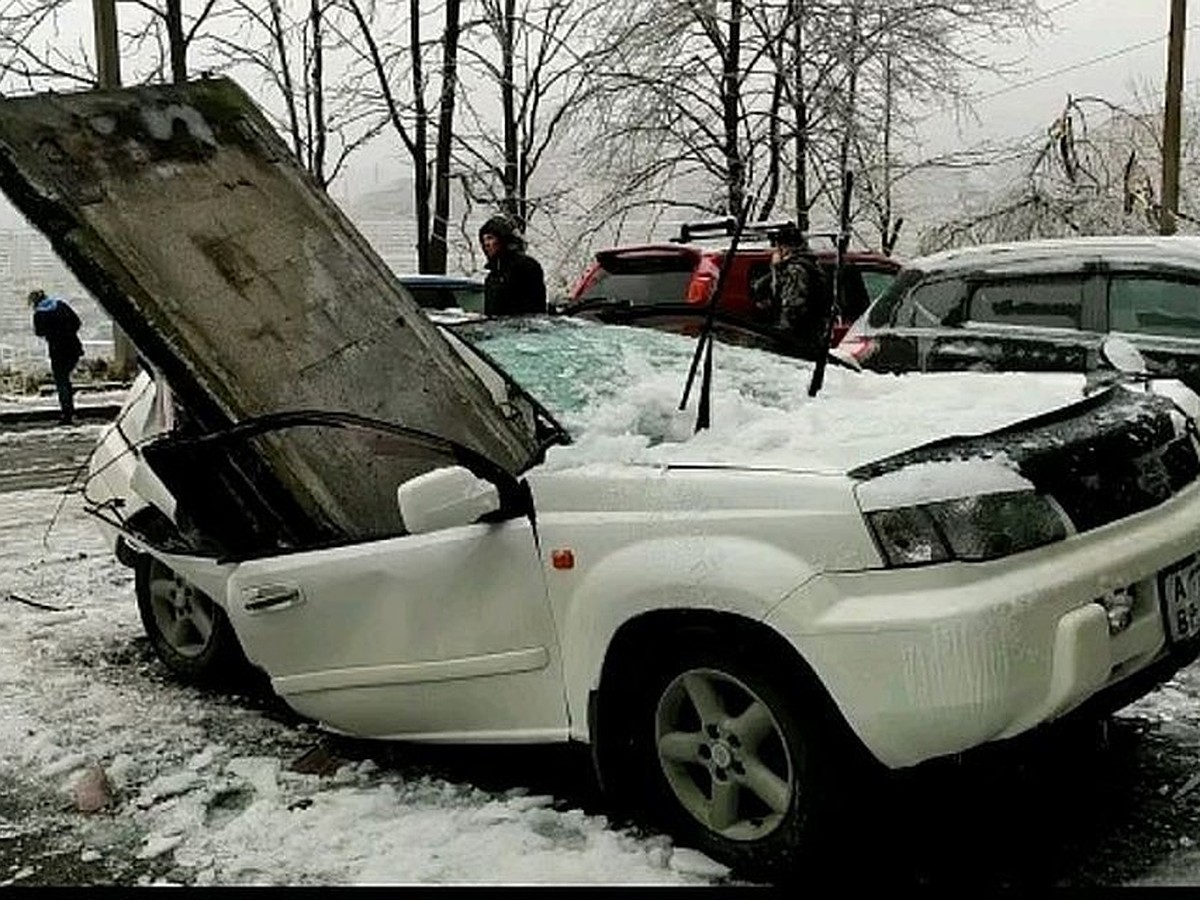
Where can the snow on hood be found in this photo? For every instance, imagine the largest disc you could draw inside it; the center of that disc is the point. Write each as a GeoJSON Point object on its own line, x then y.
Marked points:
{"type": "Point", "coordinates": [617, 391]}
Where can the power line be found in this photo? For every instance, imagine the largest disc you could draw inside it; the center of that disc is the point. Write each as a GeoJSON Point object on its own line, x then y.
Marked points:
{"type": "Point", "coordinates": [1062, 5]}
{"type": "Point", "coordinates": [1079, 65]}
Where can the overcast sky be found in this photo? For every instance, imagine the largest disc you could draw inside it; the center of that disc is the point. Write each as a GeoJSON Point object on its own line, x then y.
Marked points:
{"type": "Point", "coordinates": [1105, 48]}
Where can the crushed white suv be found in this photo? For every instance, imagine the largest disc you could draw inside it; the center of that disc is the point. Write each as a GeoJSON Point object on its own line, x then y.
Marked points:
{"type": "Point", "coordinates": [735, 619]}
{"type": "Point", "coordinates": [516, 531]}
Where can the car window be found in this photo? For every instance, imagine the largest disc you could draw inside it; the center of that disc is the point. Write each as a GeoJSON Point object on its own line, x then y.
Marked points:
{"type": "Point", "coordinates": [641, 279]}
{"type": "Point", "coordinates": [876, 281]}
{"type": "Point", "coordinates": [446, 296]}
{"type": "Point", "coordinates": [1041, 302]}
{"type": "Point", "coordinates": [930, 304]}
{"type": "Point", "coordinates": [431, 296]}
{"type": "Point", "coordinates": [469, 297]}
{"type": "Point", "coordinates": [861, 285]}
{"type": "Point", "coordinates": [1163, 306]}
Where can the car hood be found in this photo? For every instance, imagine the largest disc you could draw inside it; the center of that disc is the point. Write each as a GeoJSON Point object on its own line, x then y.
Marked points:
{"type": "Point", "coordinates": [243, 285]}
{"type": "Point", "coordinates": [857, 419]}
{"type": "Point", "coordinates": [1116, 452]}
{"type": "Point", "coordinates": [1104, 456]}
{"type": "Point", "coordinates": [617, 390]}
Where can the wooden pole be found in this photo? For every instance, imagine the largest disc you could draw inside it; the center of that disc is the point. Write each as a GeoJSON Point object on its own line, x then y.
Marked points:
{"type": "Point", "coordinates": [108, 60]}
{"type": "Point", "coordinates": [1172, 117]}
{"type": "Point", "coordinates": [108, 69]}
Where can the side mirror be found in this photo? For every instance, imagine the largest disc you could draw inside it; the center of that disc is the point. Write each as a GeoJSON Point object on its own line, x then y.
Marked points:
{"type": "Point", "coordinates": [445, 498]}
{"type": "Point", "coordinates": [1123, 356]}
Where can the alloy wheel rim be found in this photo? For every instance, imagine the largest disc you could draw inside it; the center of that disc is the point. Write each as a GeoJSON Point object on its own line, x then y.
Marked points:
{"type": "Point", "coordinates": [724, 754]}
{"type": "Point", "coordinates": [183, 614]}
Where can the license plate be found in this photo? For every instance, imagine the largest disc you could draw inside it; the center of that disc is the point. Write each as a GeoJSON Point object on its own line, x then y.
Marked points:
{"type": "Point", "coordinates": [1179, 588]}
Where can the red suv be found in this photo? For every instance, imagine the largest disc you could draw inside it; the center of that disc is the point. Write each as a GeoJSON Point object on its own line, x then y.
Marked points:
{"type": "Point", "coordinates": [668, 286]}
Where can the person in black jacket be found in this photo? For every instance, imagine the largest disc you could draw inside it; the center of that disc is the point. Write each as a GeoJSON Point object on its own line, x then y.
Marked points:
{"type": "Point", "coordinates": [514, 284]}
{"type": "Point", "coordinates": [58, 325]}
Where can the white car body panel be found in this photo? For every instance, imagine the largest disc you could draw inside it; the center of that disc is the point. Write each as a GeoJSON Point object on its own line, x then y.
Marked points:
{"type": "Point", "coordinates": [471, 634]}
{"type": "Point", "coordinates": [114, 463]}
{"type": "Point", "coordinates": [451, 633]}
{"type": "Point", "coordinates": [934, 660]}
{"type": "Point", "coordinates": [644, 540]}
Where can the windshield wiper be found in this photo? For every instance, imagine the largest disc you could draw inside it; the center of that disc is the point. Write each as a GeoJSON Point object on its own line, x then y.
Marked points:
{"type": "Point", "coordinates": [704, 344]}
{"type": "Point", "coordinates": [835, 294]}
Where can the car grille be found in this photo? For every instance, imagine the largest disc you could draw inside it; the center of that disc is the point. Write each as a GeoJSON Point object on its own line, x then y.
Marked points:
{"type": "Point", "coordinates": [1112, 491]}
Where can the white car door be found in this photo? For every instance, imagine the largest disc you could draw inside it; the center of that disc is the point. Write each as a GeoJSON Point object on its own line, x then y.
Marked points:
{"type": "Point", "coordinates": [439, 636]}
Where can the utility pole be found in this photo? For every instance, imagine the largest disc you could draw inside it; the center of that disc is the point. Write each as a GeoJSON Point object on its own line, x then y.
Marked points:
{"type": "Point", "coordinates": [1172, 117]}
{"type": "Point", "coordinates": [108, 61]}
{"type": "Point", "coordinates": [108, 68]}
{"type": "Point", "coordinates": [798, 18]}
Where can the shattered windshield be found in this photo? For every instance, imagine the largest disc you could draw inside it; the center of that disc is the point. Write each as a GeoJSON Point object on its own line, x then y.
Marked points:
{"type": "Point", "coordinates": [576, 367]}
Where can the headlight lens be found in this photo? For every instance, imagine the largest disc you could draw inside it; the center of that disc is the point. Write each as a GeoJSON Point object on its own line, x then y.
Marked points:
{"type": "Point", "coordinates": [986, 526]}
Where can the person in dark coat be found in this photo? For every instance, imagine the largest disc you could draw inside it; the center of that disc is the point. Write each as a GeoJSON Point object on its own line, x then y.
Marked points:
{"type": "Point", "coordinates": [795, 294]}
{"type": "Point", "coordinates": [56, 323]}
{"type": "Point", "coordinates": [514, 284]}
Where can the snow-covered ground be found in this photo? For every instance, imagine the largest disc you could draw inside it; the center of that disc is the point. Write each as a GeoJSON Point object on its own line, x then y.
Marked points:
{"type": "Point", "coordinates": [202, 787]}
{"type": "Point", "coordinates": [26, 403]}
{"type": "Point", "coordinates": [198, 788]}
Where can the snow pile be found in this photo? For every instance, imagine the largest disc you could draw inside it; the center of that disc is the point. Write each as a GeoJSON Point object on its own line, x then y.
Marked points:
{"type": "Point", "coordinates": [617, 391]}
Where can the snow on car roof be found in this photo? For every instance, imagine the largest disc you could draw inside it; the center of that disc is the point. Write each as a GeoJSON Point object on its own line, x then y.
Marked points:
{"type": "Point", "coordinates": [1065, 252]}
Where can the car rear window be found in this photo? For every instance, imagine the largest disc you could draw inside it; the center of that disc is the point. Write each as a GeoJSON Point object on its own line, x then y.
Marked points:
{"type": "Point", "coordinates": [1053, 302]}
{"type": "Point", "coordinates": [1170, 307]}
{"type": "Point", "coordinates": [876, 281]}
{"type": "Point", "coordinates": [886, 310]}
{"type": "Point", "coordinates": [641, 278]}
{"type": "Point", "coordinates": [444, 296]}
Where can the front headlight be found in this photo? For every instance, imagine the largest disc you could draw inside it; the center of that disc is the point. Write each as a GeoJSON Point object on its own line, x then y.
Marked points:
{"type": "Point", "coordinates": [976, 528]}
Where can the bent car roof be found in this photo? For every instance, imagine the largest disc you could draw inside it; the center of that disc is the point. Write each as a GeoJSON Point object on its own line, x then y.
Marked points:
{"type": "Point", "coordinates": [236, 276]}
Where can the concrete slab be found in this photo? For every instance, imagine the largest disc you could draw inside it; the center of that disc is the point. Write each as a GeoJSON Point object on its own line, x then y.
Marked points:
{"type": "Point", "coordinates": [240, 280]}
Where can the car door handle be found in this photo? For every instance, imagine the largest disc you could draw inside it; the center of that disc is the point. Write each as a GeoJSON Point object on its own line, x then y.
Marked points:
{"type": "Point", "coordinates": [271, 597]}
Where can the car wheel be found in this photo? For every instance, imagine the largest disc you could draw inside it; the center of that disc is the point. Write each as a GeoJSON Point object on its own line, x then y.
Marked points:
{"type": "Point", "coordinates": [736, 765]}
{"type": "Point", "coordinates": [189, 632]}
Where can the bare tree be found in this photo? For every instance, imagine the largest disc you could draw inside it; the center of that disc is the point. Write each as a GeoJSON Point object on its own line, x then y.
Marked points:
{"type": "Point", "coordinates": [818, 85]}
{"type": "Point", "coordinates": [172, 34]}
{"type": "Point", "coordinates": [291, 47]}
{"type": "Point", "coordinates": [41, 47]}
{"type": "Point", "coordinates": [443, 160]}
{"type": "Point", "coordinates": [532, 59]}
{"type": "Point", "coordinates": [395, 53]}
{"type": "Point", "coordinates": [1094, 171]}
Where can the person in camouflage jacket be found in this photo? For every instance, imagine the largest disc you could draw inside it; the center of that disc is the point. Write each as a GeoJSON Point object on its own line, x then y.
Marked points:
{"type": "Point", "coordinates": [794, 295]}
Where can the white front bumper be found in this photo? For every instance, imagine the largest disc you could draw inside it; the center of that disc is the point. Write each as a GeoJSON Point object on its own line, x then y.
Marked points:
{"type": "Point", "coordinates": [935, 660]}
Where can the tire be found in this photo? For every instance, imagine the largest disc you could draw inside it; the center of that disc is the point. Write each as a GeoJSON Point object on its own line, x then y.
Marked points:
{"type": "Point", "coordinates": [737, 757]}
{"type": "Point", "coordinates": [189, 632]}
